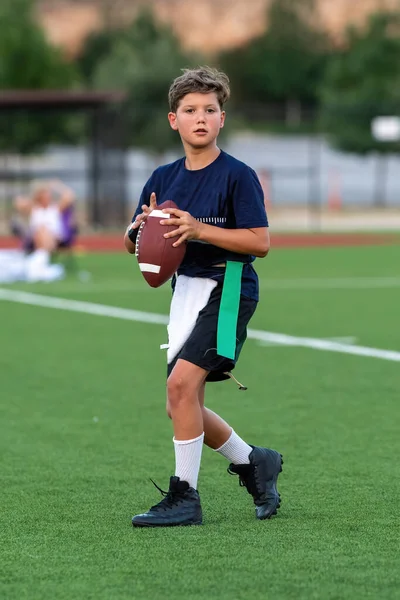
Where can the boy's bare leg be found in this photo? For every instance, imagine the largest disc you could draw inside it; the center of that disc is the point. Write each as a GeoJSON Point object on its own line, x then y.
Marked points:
{"type": "Point", "coordinates": [258, 468]}
{"type": "Point", "coordinates": [216, 430]}
{"type": "Point", "coordinates": [183, 387]}
{"type": "Point", "coordinates": [220, 436]}
{"type": "Point", "coordinates": [245, 459]}
{"type": "Point", "coordinates": [181, 505]}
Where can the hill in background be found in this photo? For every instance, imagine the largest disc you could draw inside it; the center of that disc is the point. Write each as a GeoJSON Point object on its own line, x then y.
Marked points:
{"type": "Point", "coordinates": [205, 25]}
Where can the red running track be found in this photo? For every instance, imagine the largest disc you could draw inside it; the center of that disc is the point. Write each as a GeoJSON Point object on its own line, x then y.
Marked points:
{"type": "Point", "coordinates": [114, 243]}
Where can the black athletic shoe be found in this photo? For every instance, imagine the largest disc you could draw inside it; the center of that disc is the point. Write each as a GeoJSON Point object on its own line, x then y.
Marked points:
{"type": "Point", "coordinates": [260, 478]}
{"type": "Point", "coordinates": [180, 506]}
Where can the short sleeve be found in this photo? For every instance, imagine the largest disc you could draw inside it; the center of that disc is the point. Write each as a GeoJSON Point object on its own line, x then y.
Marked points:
{"type": "Point", "coordinates": [248, 200]}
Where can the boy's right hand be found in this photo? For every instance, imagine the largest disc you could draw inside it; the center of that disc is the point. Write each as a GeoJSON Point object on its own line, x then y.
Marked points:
{"type": "Point", "coordinates": [146, 211]}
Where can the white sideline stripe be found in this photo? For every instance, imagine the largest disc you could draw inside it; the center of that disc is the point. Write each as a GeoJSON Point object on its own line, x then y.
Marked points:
{"type": "Point", "coordinates": [289, 340]}
{"type": "Point", "coordinates": [82, 307]}
{"type": "Point", "coordinates": [265, 284]}
{"type": "Point", "coordinates": [149, 268]}
{"type": "Point", "coordinates": [341, 340]}
{"type": "Point", "coordinates": [145, 317]}
{"type": "Point", "coordinates": [159, 214]}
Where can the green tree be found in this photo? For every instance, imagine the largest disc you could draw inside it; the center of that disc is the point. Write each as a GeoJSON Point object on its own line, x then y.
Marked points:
{"type": "Point", "coordinates": [363, 82]}
{"type": "Point", "coordinates": [28, 61]}
{"type": "Point", "coordinates": [285, 64]}
{"type": "Point", "coordinates": [143, 61]}
{"type": "Point", "coordinates": [98, 46]}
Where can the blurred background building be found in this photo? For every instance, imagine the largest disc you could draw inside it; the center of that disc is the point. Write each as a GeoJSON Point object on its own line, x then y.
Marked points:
{"type": "Point", "coordinates": [83, 97]}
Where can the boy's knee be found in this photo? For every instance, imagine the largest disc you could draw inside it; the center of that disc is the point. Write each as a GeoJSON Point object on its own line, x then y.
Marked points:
{"type": "Point", "coordinates": [179, 390]}
{"type": "Point", "coordinates": [175, 390]}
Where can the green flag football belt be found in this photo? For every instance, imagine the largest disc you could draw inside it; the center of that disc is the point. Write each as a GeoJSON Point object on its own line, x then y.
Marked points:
{"type": "Point", "coordinates": [229, 310]}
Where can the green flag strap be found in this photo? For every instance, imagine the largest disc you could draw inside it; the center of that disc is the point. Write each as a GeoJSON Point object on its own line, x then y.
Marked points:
{"type": "Point", "coordinates": [229, 310]}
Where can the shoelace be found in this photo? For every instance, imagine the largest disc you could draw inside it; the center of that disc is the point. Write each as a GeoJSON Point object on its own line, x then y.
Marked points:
{"type": "Point", "coordinates": [249, 480]}
{"type": "Point", "coordinates": [170, 499]}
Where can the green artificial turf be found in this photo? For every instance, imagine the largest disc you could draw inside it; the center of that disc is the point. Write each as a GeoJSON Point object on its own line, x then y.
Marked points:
{"type": "Point", "coordinates": [83, 428]}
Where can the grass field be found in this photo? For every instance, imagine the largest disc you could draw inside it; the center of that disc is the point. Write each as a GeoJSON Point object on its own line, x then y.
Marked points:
{"type": "Point", "coordinates": [83, 428]}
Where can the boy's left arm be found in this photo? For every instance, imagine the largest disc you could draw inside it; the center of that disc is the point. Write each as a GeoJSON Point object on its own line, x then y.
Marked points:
{"type": "Point", "coordinates": [251, 235]}
{"type": "Point", "coordinates": [253, 241]}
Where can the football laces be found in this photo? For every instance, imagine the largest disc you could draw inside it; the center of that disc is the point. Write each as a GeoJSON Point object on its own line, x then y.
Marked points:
{"type": "Point", "coordinates": [138, 238]}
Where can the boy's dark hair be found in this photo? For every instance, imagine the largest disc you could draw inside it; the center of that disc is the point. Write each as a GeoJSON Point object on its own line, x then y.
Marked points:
{"type": "Point", "coordinates": [203, 80]}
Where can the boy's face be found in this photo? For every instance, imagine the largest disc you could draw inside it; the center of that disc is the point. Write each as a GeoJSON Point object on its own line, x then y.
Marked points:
{"type": "Point", "coordinates": [198, 119]}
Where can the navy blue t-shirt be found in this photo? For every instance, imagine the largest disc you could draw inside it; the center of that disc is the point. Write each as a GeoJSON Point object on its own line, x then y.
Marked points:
{"type": "Point", "coordinates": [227, 194]}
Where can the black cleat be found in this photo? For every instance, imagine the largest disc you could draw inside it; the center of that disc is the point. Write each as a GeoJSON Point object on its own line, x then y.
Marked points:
{"type": "Point", "coordinates": [180, 506]}
{"type": "Point", "coordinates": [260, 478]}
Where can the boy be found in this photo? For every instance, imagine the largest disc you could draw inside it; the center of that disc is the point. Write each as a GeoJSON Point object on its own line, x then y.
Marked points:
{"type": "Point", "coordinates": [222, 218]}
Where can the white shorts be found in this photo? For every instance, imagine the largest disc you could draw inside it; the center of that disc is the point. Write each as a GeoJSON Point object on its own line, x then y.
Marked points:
{"type": "Point", "coordinates": [50, 218]}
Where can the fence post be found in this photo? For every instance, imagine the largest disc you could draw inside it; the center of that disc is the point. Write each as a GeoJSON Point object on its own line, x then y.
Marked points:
{"type": "Point", "coordinates": [381, 178]}
{"type": "Point", "coordinates": [94, 168]}
{"type": "Point", "coordinates": [314, 187]}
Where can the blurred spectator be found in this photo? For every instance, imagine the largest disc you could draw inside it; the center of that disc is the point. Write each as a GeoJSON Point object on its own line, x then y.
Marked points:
{"type": "Point", "coordinates": [45, 223]}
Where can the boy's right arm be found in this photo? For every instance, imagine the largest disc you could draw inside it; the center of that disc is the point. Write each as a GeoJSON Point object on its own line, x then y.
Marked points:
{"type": "Point", "coordinates": [138, 219]}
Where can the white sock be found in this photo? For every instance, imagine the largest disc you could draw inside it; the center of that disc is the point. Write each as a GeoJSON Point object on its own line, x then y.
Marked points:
{"type": "Point", "coordinates": [187, 459]}
{"type": "Point", "coordinates": [236, 450]}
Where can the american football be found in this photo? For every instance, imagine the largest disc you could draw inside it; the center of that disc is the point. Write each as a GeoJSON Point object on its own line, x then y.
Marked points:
{"type": "Point", "coordinates": [158, 259]}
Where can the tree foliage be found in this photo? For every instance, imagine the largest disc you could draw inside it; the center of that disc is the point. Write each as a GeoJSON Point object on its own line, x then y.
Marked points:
{"type": "Point", "coordinates": [29, 62]}
{"type": "Point", "coordinates": [98, 46]}
{"type": "Point", "coordinates": [284, 64]}
{"type": "Point", "coordinates": [362, 82]}
{"type": "Point", "coordinates": [142, 60]}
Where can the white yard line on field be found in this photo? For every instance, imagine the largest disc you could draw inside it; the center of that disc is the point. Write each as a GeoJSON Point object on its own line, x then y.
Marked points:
{"type": "Point", "coordinates": [342, 340]}
{"type": "Point", "coordinates": [145, 317]}
{"type": "Point", "coordinates": [266, 284]}
{"type": "Point", "coordinates": [82, 307]}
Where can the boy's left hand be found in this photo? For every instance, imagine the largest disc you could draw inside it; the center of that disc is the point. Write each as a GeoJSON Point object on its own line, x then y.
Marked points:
{"type": "Point", "coordinates": [188, 228]}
